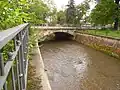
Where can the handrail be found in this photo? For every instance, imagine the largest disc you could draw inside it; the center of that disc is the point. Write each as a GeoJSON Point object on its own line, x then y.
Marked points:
{"type": "Point", "coordinates": [9, 34]}
{"type": "Point", "coordinates": [17, 58]}
{"type": "Point", "coordinates": [62, 28]}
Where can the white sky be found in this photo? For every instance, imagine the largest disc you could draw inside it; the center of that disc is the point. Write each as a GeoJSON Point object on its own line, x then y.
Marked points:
{"type": "Point", "coordinates": [62, 3]}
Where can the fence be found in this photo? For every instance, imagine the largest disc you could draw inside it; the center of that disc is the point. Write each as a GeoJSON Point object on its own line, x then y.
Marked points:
{"type": "Point", "coordinates": [15, 67]}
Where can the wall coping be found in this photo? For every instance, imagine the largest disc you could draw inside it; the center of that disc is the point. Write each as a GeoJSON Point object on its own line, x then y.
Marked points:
{"type": "Point", "coordinates": [118, 39]}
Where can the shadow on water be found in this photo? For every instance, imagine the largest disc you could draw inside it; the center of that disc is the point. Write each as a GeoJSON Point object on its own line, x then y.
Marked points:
{"type": "Point", "coordinates": [63, 36]}
{"type": "Point", "coordinates": [57, 37]}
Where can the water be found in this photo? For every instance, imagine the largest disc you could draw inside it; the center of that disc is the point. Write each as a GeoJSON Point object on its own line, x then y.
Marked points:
{"type": "Point", "coordinates": [72, 66]}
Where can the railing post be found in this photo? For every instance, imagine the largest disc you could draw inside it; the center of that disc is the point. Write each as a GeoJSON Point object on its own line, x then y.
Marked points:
{"type": "Point", "coordinates": [1, 64]}
{"type": "Point", "coordinates": [22, 60]}
{"type": "Point", "coordinates": [12, 71]}
{"type": "Point", "coordinates": [2, 69]}
{"type": "Point", "coordinates": [17, 44]}
{"type": "Point", "coordinates": [26, 52]}
{"type": "Point", "coordinates": [20, 71]}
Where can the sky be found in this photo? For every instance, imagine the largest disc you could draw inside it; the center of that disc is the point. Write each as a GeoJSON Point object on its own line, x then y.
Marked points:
{"type": "Point", "coordinates": [60, 4]}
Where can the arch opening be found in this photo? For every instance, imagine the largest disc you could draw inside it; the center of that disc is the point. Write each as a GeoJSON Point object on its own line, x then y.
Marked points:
{"type": "Point", "coordinates": [63, 36]}
{"type": "Point", "coordinates": [56, 36]}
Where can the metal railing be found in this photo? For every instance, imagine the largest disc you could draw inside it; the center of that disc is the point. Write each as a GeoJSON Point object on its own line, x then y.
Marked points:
{"type": "Point", "coordinates": [17, 62]}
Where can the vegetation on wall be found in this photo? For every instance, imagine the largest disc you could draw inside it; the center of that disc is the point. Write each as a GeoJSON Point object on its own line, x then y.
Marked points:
{"type": "Point", "coordinates": [108, 46]}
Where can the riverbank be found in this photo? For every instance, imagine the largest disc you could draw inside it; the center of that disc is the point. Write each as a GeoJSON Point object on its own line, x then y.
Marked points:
{"type": "Point", "coordinates": [107, 45]}
{"type": "Point", "coordinates": [37, 78]}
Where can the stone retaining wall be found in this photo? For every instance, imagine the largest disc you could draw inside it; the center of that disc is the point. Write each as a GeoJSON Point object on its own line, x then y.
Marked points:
{"type": "Point", "coordinates": [107, 45]}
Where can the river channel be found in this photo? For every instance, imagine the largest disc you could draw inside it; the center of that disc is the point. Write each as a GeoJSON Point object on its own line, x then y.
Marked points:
{"type": "Point", "coordinates": [72, 66]}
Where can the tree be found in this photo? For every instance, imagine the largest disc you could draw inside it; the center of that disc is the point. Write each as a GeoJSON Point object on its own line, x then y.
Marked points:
{"type": "Point", "coordinates": [61, 18]}
{"type": "Point", "coordinates": [81, 11]}
{"type": "Point", "coordinates": [40, 12]}
{"type": "Point", "coordinates": [116, 24]}
{"type": "Point", "coordinates": [70, 12]}
{"type": "Point", "coordinates": [113, 7]}
{"type": "Point", "coordinates": [103, 13]}
{"type": "Point", "coordinates": [53, 17]}
{"type": "Point", "coordinates": [15, 12]}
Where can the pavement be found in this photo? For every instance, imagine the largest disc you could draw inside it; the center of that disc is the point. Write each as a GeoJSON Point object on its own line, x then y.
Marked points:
{"type": "Point", "coordinates": [39, 79]}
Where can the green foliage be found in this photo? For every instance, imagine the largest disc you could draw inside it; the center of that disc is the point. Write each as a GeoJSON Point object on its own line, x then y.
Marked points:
{"type": "Point", "coordinates": [107, 33]}
{"type": "Point", "coordinates": [53, 17]}
{"type": "Point", "coordinates": [107, 46]}
{"type": "Point", "coordinates": [10, 15]}
{"type": "Point", "coordinates": [76, 13]}
{"type": "Point", "coordinates": [15, 12]}
{"type": "Point", "coordinates": [61, 18]}
{"type": "Point", "coordinates": [6, 49]}
{"type": "Point", "coordinates": [81, 11]}
{"type": "Point", "coordinates": [40, 11]}
{"type": "Point", "coordinates": [104, 13]}
{"type": "Point", "coordinates": [70, 12]}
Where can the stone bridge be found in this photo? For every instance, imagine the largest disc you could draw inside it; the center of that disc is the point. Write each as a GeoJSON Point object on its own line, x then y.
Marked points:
{"type": "Point", "coordinates": [57, 30]}
{"type": "Point", "coordinates": [61, 33]}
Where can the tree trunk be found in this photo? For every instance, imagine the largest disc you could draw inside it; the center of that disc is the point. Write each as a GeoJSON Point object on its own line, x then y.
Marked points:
{"type": "Point", "coordinates": [116, 23]}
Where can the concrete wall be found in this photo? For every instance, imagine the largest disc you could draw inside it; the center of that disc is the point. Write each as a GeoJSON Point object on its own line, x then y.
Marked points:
{"type": "Point", "coordinates": [107, 45]}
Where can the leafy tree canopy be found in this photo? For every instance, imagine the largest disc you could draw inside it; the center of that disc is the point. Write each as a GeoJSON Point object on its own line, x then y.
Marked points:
{"type": "Point", "coordinates": [106, 12]}
{"type": "Point", "coordinates": [81, 11]}
{"type": "Point", "coordinates": [15, 12]}
{"type": "Point", "coordinates": [70, 12]}
{"type": "Point", "coordinates": [75, 13]}
{"type": "Point", "coordinates": [61, 18]}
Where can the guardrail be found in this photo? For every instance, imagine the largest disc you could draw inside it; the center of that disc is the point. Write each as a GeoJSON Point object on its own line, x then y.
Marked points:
{"type": "Point", "coordinates": [55, 28]}
{"type": "Point", "coordinates": [17, 62]}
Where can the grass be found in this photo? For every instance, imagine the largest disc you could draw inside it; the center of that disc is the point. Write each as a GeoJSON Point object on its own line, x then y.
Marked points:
{"type": "Point", "coordinates": [108, 33]}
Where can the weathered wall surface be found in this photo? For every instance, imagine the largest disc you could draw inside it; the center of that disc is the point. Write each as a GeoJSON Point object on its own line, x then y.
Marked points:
{"type": "Point", "coordinates": [107, 45]}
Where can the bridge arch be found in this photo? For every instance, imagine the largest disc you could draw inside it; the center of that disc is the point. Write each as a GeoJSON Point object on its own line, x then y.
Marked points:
{"type": "Point", "coordinates": [62, 36]}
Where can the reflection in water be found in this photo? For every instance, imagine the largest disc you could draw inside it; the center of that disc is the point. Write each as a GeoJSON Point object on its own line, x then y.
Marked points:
{"type": "Point", "coordinates": [72, 66]}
